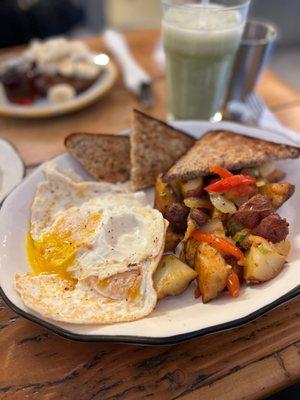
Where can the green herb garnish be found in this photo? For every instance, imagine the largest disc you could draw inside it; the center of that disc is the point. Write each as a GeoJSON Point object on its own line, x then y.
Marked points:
{"type": "Point", "coordinates": [240, 236]}
{"type": "Point", "coordinates": [262, 249]}
{"type": "Point", "coordinates": [233, 226]}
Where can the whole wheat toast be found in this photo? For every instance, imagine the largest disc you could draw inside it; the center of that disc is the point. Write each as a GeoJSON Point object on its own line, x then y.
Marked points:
{"type": "Point", "coordinates": [104, 157]}
{"type": "Point", "coordinates": [229, 150]}
{"type": "Point", "coordinates": [155, 146]}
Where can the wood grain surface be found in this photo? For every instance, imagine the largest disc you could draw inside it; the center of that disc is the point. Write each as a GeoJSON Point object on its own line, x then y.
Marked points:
{"type": "Point", "coordinates": [250, 362]}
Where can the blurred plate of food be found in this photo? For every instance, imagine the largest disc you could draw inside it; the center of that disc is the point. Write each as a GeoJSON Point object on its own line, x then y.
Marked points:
{"type": "Point", "coordinates": [203, 237]}
{"type": "Point", "coordinates": [53, 77]}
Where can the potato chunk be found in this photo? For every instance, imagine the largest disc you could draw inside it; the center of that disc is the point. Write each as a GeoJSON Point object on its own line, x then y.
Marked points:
{"type": "Point", "coordinates": [277, 193]}
{"type": "Point", "coordinates": [190, 248]}
{"type": "Point", "coordinates": [197, 202]}
{"type": "Point", "coordinates": [191, 188]}
{"type": "Point", "coordinates": [264, 260]}
{"type": "Point", "coordinates": [164, 195]}
{"type": "Point", "coordinates": [172, 276]}
{"type": "Point", "coordinates": [212, 270]}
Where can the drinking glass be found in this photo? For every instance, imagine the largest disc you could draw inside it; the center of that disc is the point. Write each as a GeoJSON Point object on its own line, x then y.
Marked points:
{"type": "Point", "coordinates": [200, 40]}
{"type": "Point", "coordinates": [256, 45]}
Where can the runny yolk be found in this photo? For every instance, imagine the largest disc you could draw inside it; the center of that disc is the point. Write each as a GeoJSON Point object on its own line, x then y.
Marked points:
{"type": "Point", "coordinates": [125, 285]}
{"type": "Point", "coordinates": [53, 254]}
{"type": "Point", "coordinates": [56, 251]}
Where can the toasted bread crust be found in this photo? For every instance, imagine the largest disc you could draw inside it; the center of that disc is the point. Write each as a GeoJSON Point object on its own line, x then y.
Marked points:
{"type": "Point", "coordinates": [105, 157]}
{"type": "Point", "coordinates": [229, 150]}
{"type": "Point", "coordinates": [155, 146]}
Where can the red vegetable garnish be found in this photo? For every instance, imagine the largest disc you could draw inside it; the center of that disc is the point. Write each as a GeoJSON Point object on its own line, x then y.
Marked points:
{"type": "Point", "coordinates": [230, 182]}
{"type": "Point", "coordinates": [233, 284]}
{"type": "Point", "coordinates": [23, 101]}
{"type": "Point", "coordinates": [218, 243]}
{"type": "Point", "coordinates": [213, 180]}
{"type": "Point", "coordinates": [222, 172]}
{"type": "Point", "coordinates": [239, 191]}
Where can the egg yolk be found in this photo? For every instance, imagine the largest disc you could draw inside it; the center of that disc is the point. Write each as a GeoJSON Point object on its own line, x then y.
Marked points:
{"type": "Point", "coordinates": [125, 285]}
{"type": "Point", "coordinates": [53, 254]}
{"type": "Point", "coordinates": [56, 251]}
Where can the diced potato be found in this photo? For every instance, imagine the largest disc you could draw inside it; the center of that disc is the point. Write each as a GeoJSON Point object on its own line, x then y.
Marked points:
{"type": "Point", "coordinates": [264, 260]}
{"type": "Point", "coordinates": [212, 272]}
{"type": "Point", "coordinates": [172, 276]}
{"type": "Point", "coordinates": [283, 247]}
{"type": "Point", "coordinates": [172, 240]}
{"type": "Point", "coordinates": [191, 226]}
{"type": "Point", "coordinates": [214, 226]}
{"type": "Point", "coordinates": [198, 202]}
{"type": "Point", "coordinates": [191, 188]}
{"type": "Point", "coordinates": [190, 248]}
{"type": "Point", "coordinates": [277, 193]}
{"type": "Point", "coordinates": [164, 194]}
{"type": "Point", "coordinates": [176, 186]}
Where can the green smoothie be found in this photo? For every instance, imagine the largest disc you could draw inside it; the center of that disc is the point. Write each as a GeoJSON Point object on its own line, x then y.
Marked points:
{"type": "Point", "coordinates": [200, 43]}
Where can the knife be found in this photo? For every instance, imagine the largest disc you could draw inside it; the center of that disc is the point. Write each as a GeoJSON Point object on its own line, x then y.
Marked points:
{"type": "Point", "coordinates": [135, 78]}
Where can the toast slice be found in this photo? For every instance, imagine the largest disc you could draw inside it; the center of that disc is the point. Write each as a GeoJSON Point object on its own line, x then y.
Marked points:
{"type": "Point", "coordinates": [228, 150]}
{"type": "Point", "coordinates": [104, 157]}
{"type": "Point", "coordinates": [155, 146]}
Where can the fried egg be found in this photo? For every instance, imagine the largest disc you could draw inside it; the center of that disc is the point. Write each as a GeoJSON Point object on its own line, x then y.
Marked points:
{"type": "Point", "coordinates": [93, 248]}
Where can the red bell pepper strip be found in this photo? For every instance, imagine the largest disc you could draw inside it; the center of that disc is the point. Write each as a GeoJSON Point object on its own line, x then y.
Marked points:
{"type": "Point", "coordinates": [222, 172]}
{"type": "Point", "coordinates": [233, 284]}
{"type": "Point", "coordinates": [239, 191]}
{"type": "Point", "coordinates": [218, 243]}
{"type": "Point", "coordinates": [229, 183]}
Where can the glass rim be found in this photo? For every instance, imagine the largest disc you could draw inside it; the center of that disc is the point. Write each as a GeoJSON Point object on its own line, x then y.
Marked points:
{"type": "Point", "coordinates": [271, 28]}
{"type": "Point", "coordinates": [217, 8]}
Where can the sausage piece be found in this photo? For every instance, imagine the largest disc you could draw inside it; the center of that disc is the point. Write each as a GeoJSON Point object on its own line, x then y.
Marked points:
{"type": "Point", "coordinates": [273, 228]}
{"type": "Point", "coordinates": [254, 210]}
{"type": "Point", "coordinates": [177, 214]}
{"type": "Point", "coordinates": [199, 216]}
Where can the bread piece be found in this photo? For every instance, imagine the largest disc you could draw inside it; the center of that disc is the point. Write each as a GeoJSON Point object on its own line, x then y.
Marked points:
{"type": "Point", "coordinates": [104, 157]}
{"type": "Point", "coordinates": [155, 146]}
{"type": "Point", "coordinates": [229, 150]}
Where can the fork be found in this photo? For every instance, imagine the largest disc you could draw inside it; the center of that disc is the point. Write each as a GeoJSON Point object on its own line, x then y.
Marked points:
{"type": "Point", "coordinates": [257, 106]}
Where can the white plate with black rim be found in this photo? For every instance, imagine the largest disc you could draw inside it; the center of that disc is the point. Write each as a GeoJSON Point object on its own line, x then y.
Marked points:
{"type": "Point", "coordinates": [174, 319]}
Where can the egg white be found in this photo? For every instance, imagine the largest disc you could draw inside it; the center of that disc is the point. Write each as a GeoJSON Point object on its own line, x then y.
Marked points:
{"type": "Point", "coordinates": [124, 245]}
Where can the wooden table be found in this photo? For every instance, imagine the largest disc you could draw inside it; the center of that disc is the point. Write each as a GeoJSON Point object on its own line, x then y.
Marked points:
{"type": "Point", "coordinates": [250, 362]}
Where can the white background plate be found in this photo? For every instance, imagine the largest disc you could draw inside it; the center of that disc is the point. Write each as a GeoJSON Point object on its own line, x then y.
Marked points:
{"type": "Point", "coordinates": [42, 108]}
{"type": "Point", "coordinates": [175, 318]}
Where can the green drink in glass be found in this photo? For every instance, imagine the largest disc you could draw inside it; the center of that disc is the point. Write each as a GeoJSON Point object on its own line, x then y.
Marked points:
{"type": "Point", "coordinates": [200, 40]}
